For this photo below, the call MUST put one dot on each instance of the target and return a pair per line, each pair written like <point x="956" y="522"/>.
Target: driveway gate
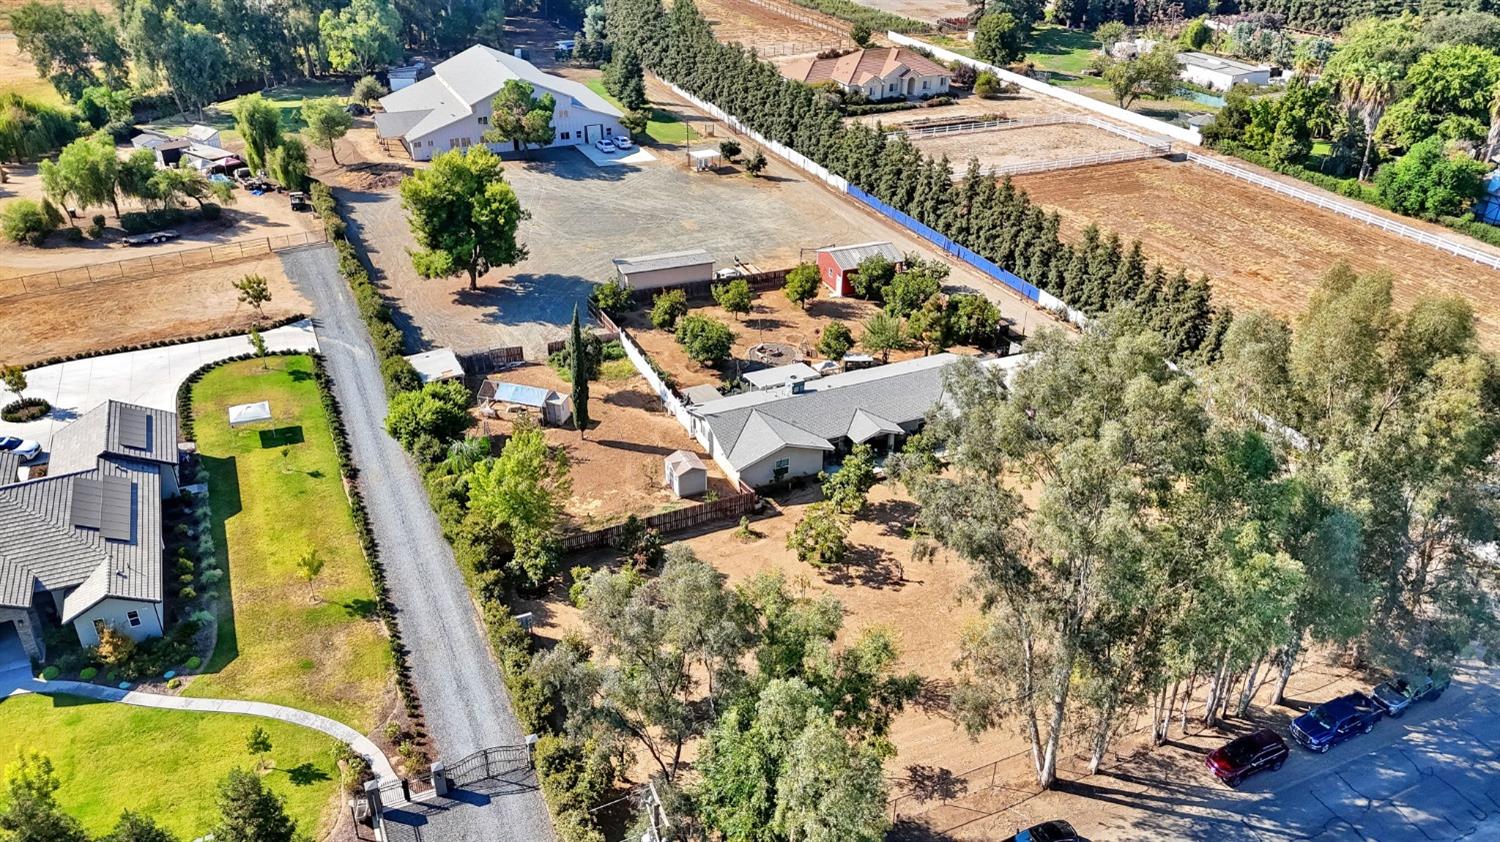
<point x="487" y="763"/>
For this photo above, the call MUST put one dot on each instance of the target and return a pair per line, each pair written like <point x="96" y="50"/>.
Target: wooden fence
<point x="495" y="359"/>
<point x="677" y="520"/>
<point x="604" y="336"/>
<point x="153" y="265"/>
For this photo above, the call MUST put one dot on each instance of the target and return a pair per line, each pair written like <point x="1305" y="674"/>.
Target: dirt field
<point x="1260" y="249"/>
<point x="617" y="467"/>
<point x="969" y="107"/>
<point x="925" y="10"/>
<point x="1024" y="145"/>
<point x="774" y="34"/>
<point x="774" y="319"/>
<point x="90" y="317"/>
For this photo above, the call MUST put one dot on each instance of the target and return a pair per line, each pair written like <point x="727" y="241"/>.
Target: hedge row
<point x="384" y="608"/>
<point x="390" y="346"/>
<point x="163" y="343"/>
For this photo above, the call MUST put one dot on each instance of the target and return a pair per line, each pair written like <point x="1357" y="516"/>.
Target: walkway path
<point x="464" y="701"/>
<point x="149" y="377"/>
<point x="379" y="763"/>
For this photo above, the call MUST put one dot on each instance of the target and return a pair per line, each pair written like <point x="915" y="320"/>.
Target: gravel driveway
<point x="466" y="705"/>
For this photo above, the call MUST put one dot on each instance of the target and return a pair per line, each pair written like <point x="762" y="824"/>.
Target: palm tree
<point x="1492" y="143"/>
<point x="1369" y="89"/>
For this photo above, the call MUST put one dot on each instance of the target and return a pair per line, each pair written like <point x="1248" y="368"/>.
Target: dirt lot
<point x="925" y="10"/>
<point x="969" y="107"/>
<point x="93" y="316"/>
<point x="771" y="33"/>
<point x="248" y="218"/>
<point x="774" y="319"/>
<point x="1259" y="248"/>
<point x="1019" y="146"/>
<point x="617" y="467"/>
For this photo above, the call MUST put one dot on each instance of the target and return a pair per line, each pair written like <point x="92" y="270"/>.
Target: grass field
<point x="166" y="764"/>
<point x="276" y="494"/>
<point x="288" y="98"/>
<point x="1061" y="50"/>
<point x="664" y="127"/>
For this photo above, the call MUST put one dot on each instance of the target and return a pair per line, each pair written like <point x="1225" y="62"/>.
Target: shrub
<point x="835" y="341"/>
<point x="72" y="235"/>
<point x="580" y="576"/>
<point x="23" y="221"/>
<point x="96" y="226"/>
<point x="25" y="409"/>
<point x="667" y="308"/>
<point x="399" y="375"/>
<point x="987" y="85"/>
<point x="193" y="663"/>
<point x="574" y="776"/>
<point x="51" y="673"/>
<point x="88" y="673"/>
<point x="819" y="538"/>
<point x="705" y="340"/>
<point x="612" y="297"/>
<point x="187" y="594"/>
<point x="802" y="284"/>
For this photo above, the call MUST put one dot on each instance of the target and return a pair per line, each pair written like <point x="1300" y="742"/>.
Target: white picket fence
<point x="1344" y="208"/>
<point x="1114" y="112"/>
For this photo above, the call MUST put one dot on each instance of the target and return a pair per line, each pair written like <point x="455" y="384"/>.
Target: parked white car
<point x="604" y="144"/>
<point x="25" y="448"/>
<point x="623" y="142"/>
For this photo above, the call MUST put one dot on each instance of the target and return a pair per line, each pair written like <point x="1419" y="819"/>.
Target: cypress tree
<point x="580" y="377"/>
<point x="248" y="812"/>
<point x="1129" y="276"/>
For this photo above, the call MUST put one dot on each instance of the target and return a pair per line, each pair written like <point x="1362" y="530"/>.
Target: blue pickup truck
<point x="1335" y="721"/>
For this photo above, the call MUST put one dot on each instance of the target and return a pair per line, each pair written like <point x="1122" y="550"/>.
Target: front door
<point x="593" y="133"/>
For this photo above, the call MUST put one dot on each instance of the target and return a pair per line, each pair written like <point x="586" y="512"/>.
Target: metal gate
<point x="488" y="763"/>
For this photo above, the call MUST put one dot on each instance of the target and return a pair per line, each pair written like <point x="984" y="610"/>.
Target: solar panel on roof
<point x="88" y="496"/>
<point x="133" y="428"/>
<point x="115" y="515"/>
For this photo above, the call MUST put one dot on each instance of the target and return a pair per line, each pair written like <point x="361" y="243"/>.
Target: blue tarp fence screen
<point x="949" y="246"/>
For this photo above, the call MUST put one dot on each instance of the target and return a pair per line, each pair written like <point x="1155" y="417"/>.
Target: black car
<point x="1394" y="695"/>
<point x="1056" y="830"/>
<point x="151" y="238"/>
<point x="1333" y="722"/>
<point x="1241" y="758"/>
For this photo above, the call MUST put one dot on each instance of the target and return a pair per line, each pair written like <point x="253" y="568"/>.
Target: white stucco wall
<point x="1223" y="80"/>
<point x="114" y="612"/>
<point x="803" y="462"/>
<point x="572" y="125"/>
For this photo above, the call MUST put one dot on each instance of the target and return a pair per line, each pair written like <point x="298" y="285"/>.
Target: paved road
<point x="1432" y="775"/>
<point x="466" y="705"/>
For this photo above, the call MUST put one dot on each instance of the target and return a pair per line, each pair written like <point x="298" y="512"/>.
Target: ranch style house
<point x="83" y="545"/>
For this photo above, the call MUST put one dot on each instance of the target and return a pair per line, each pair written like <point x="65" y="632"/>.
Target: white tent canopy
<point x="249" y="413"/>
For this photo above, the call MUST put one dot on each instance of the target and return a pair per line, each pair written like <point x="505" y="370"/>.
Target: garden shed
<point x="664" y="270"/>
<point x="499" y="396"/>
<point x="686" y="474"/>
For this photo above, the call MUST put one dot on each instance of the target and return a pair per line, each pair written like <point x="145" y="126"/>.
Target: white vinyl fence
<point x="1071" y="97"/>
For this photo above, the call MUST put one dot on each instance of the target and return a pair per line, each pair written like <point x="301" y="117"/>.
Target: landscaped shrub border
<point x="163" y="343"/>
<point x="384" y="608"/>
<point x="389" y="345"/>
<point x="25" y="409"/>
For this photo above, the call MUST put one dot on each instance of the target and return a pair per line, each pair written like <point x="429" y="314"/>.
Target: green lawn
<point x="164" y="763"/>
<point x="288" y="98"/>
<point x="664" y="127"/>
<point x="276" y="494"/>
<point x="1061" y="50"/>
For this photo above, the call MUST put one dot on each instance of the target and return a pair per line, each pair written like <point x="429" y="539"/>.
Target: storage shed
<point x="497" y="395"/>
<point x="686" y="474"/>
<point x="437" y="365"/>
<point x="1220" y="74"/>
<point x="669" y="269"/>
<point x="837" y="265"/>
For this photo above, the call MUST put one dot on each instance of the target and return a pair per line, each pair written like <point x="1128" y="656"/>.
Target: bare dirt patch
<point x="774" y="319"/>
<point x="96" y="316"/>
<point x="1260" y="249"/>
<point x="795" y="31"/>
<point x="1023" y="145"/>
<point x="617" y="466"/>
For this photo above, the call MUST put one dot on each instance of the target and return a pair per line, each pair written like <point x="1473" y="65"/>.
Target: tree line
<point x="994" y="219"/>
<point x="1319" y="486"/>
<point x="1332" y="16"/>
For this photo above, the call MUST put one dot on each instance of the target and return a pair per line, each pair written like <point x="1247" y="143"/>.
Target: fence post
<point x="439" y="779"/>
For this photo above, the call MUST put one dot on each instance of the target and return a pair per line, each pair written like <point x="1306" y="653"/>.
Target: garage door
<point x="593" y="133"/>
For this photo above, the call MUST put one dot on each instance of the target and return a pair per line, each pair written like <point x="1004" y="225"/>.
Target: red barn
<point x="838" y="265"/>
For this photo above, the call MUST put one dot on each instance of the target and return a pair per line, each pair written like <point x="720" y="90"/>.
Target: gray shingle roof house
<point x="83" y="545"/>
<point x="765" y="436"/>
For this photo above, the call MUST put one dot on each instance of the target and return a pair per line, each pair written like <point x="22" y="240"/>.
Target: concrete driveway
<point x="149" y="377"/>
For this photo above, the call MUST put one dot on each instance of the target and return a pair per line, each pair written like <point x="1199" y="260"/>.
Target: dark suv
<point x="1247" y="755"/>
<point x="1056" y="830"/>
<point x="1332" y="722"/>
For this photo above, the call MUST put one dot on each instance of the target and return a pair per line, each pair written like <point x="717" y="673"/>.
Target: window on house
<point x="783" y="464"/>
<point x="609" y="130"/>
<point x="924" y="84"/>
<point x="133" y="617"/>
<point x="99" y="627"/>
<point x="567" y="136"/>
<point x="485" y="121"/>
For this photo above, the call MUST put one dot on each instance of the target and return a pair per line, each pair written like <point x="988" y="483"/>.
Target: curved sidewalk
<point x="379" y="763"/>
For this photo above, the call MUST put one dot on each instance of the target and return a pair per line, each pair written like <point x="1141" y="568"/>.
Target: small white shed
<point x="437" y="365"/>
<point x="553" y="407"/>
<point x="685" y="474"/>
<point x="662" y="270"/>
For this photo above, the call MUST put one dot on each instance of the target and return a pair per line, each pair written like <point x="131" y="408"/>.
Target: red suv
<point x="1247" y="755"/>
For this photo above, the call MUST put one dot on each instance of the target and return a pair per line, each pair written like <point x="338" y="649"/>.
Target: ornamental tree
<point x="464" y="216"/>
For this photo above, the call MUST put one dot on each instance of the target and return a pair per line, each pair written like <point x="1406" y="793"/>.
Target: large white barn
<point x="451" y="108"/>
